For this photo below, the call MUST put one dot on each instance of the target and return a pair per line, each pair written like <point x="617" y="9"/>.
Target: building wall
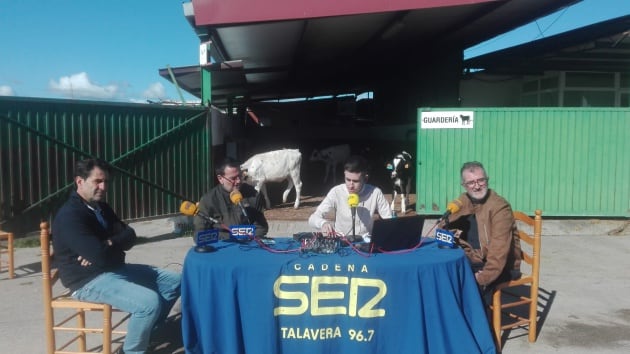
<point x="565" y="161"/>
<point x="490" y="91"/>
<point x="429" y="78"/>
<point x="550" y="89"/>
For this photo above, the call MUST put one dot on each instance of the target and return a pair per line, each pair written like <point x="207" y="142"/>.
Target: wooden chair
<point x="67" y="308"/>
<point x="530" y="245"/>
<point x="8" y="249"/>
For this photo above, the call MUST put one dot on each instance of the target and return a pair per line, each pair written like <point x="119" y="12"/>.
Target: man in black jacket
<point x="219" y="203"/>
<point x="90" y="241"/>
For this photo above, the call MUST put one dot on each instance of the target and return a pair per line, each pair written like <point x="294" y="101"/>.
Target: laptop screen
<point x="397" y="233"/>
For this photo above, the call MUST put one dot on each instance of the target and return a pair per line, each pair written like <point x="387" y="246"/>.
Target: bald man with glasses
<point x="218" y="204"/>
<point x="486" y="228"/>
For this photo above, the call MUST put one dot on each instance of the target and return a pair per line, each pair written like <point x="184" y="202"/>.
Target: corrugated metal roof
<point x="315" y="47"/>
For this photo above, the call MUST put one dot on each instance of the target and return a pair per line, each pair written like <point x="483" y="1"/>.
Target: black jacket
<point x="77" y="232"/>
<point x="217" y="204"/>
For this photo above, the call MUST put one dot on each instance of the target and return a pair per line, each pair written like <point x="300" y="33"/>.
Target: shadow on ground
<point x="168" y="340"/>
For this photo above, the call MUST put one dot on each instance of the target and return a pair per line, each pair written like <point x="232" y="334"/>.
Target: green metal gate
<point x="565" y="161"/>
<point x="161" y="155"/>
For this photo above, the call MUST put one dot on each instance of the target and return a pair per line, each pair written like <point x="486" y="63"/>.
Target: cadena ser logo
<point x="311" y="291"/>
<point x="445" y="238"/>
<point x="311" y="294"/>
<point x="242" y="232"/>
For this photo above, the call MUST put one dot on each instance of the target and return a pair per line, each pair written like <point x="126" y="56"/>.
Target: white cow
<point x="332" y="156"/>
<point x="274" y="166"/>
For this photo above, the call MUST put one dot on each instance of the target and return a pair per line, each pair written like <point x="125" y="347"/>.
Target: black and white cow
<point x="401" y="173"/>
<point x="275" y="166"/>
<point x="331" y="156"/>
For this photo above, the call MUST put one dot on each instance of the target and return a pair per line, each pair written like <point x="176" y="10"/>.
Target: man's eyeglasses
<point x="232" y="179"/>
<point x="481" y="182"/>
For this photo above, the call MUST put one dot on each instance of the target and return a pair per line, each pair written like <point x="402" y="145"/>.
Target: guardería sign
<point x="447" y="120"/>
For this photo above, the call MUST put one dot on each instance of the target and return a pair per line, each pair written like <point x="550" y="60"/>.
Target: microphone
<point x="353" y="202"/>
<point x="190" y="209"/>
<point x="236" y="197"/>
<point x="451" y="208"/>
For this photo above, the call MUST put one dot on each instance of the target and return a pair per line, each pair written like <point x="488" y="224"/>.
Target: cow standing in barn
<point x="401" y="173"/>
<point x="275" y="166"/>
<point x="331" y="156"/>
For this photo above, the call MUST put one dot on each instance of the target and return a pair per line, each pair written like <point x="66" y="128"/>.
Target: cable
<point x="542" y="34"/>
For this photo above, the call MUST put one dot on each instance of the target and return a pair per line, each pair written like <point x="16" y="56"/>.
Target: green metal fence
<point x="565" y="161"/>
<point x="161" y="154"/>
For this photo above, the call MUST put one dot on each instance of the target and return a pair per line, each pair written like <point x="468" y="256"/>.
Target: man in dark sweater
<point x="89" y="241"/>
<point x="218" y="204"/>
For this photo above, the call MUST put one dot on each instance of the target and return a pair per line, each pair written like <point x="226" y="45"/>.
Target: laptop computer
<point x="396" y="233"/>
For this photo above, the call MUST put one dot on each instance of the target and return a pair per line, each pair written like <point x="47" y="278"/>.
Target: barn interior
<point x="312" y="74"/>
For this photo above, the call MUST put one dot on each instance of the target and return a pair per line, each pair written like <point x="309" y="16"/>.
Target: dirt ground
<point x="308" y="204"/>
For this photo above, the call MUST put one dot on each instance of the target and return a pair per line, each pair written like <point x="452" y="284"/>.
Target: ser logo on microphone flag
<point x="445" y="238"/>
<point x="206" y="237"/>
<point x="242" y="232"/>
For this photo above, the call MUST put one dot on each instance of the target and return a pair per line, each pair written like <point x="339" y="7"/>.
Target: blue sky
<point x="104" y="50"/>
<point x="112" y="50"/>
<point x="579" y="15"/>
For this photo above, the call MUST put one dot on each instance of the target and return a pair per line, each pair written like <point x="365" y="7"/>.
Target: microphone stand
<point x="354" y="214"/>
<point x="353" y="202"/>
<point x="244" y="212"/>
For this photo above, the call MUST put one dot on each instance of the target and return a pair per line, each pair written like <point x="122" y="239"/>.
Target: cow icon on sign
<point x="465" y="119"/>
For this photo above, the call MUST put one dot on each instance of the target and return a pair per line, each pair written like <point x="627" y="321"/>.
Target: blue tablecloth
<point x="244" y="299"/>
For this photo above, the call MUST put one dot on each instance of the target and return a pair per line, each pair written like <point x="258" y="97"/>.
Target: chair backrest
<point x="531" y="254"/>
<point x="49" y="275"/>
<point x="8" y="250"/>
<point x="48" y="280"/>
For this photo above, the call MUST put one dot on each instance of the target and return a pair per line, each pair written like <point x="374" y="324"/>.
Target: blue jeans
<point x="146" y="292"/>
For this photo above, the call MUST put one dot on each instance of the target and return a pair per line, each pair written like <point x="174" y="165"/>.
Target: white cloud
<point x="6" y="91"/>
<point x="79" y="86"/>
<point x="156" y="91"/>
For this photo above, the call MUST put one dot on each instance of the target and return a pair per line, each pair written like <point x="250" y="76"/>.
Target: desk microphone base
<point x="205" y="249"/>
